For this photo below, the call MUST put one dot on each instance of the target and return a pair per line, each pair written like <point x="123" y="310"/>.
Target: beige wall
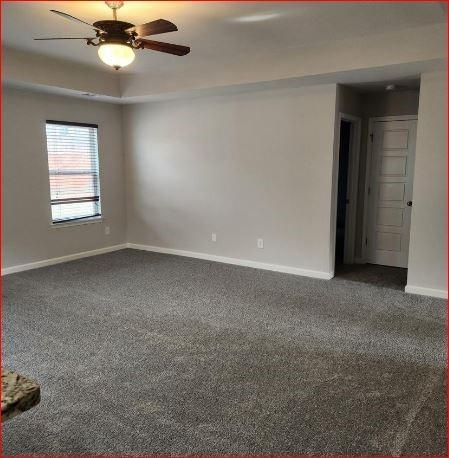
<point x="349" y="101"/>
<point x="390" y="103"/>
<point x="428" y="237"/>
<point x="27" y="235"/>
<point x="247" y="166"/>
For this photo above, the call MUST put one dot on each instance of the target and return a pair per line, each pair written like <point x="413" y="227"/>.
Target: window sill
<point x="94" y="220"/>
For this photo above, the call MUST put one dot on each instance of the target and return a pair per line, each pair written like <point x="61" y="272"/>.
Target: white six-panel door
<point x="390" y="192"/>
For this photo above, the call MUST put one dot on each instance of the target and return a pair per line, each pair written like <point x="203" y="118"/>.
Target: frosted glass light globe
<point x="116" y="55"/>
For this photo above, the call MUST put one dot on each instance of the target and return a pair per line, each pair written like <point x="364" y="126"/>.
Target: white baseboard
<point x="440" y="293"/>
<point x="70" y="257"/>
<point x="426" y="291"/>
<point x="236" y="261"/>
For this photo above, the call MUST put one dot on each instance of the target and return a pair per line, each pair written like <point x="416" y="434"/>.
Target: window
<point x="73" y="169"/>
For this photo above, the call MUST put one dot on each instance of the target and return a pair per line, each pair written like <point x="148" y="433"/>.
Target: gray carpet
<point x="141" y="353"/>
<point x="385" y="276"/>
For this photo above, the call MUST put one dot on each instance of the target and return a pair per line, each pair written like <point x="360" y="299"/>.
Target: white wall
<point x="27" y="235"/>
<point x="427" y="268"/>
<point x="246" y="166"/>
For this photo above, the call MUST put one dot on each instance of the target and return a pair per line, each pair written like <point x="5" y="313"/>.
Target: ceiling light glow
<point x="258" y="17"/>
<point x="116" y="55"/>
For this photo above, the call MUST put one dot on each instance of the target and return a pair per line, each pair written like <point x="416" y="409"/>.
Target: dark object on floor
<point x="144" y="353"/>
<point x="384" y="276"/>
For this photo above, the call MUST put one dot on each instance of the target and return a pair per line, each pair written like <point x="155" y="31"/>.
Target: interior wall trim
<point x="441" y="293"/>
<point x="235" y="261"/>
<point x="411" y="289"/>
<point x="59" y="260"/>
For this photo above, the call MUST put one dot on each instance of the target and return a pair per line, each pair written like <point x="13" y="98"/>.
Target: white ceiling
<point x="216" y="31"/>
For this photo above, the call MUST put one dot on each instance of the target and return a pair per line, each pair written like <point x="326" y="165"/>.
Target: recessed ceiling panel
<point x="216" y="31"/>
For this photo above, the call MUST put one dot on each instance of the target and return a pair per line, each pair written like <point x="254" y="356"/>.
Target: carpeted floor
<point x="142" y="353"/>
<point x="384" y="276"/>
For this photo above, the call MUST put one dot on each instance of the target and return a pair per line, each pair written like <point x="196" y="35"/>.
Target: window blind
<point x="73" y="170"/>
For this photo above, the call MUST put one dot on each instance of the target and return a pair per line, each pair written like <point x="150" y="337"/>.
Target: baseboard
<point x="426" y="291"/>
<point x="235" y="261"/>
<point x="440" y="293"/>
<point x="70" y="257"/>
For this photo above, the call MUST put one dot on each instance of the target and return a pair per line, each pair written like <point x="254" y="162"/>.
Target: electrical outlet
<point x="107" y="230"/>
<point x="214" y="237"/>
<point x="259" y="243"/>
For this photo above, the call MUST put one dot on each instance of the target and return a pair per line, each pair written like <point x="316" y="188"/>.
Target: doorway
<point x="342" y="193"/>
<point x="371" y="227"/>
<point x="387" y="202"/>
<point x="347" y="187"/>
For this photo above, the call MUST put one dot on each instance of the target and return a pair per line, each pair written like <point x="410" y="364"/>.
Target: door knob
<point x="409" y="203"/>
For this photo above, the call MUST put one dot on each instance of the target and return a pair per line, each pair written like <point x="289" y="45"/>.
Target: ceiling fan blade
<point x="75" y="19"/>
<point x="153" y="28"/>
<point x="168" y="48"/>
<point x="65" y="38"/>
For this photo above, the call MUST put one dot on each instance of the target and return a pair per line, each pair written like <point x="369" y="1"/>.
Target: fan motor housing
<point x="115" y="31"/>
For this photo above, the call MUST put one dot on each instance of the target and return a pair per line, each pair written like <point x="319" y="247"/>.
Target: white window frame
<point x="75" y="221"/>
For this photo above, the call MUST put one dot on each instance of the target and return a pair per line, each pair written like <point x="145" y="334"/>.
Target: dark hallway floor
<point x="146" y="353"/>
<point x="384" y="276"/>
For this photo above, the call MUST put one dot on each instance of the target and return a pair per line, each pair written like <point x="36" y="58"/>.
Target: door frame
<point x="369" y="152"/>
<point x="352" y="185"/>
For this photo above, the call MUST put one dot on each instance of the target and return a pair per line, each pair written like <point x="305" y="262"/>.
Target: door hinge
<point x="369" y="190"/>
<point x="372" y="137"/>
<point x="366" y="240"/>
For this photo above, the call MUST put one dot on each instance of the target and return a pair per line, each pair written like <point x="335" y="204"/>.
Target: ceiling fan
<point x="117" y="40"/>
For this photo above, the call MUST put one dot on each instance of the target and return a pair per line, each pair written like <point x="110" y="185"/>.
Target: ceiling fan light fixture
<point x="116" y="55"/>
<point x="116" y="40"/>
